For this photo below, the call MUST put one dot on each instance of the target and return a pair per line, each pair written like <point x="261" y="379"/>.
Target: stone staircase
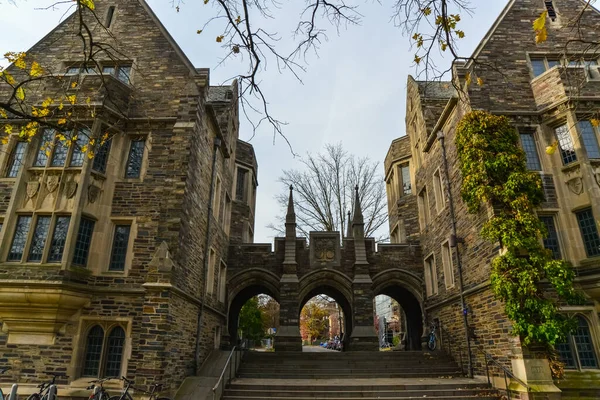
<point x="353" y="375"/>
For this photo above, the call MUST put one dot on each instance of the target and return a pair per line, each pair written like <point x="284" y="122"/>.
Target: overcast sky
<point x="353" y="91"/>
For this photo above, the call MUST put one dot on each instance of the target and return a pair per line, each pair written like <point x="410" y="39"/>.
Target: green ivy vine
<point x="494" y="172"/>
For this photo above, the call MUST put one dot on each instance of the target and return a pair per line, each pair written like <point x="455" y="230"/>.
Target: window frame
<point x="10" y="164"/>
<point x="573" y="348"/>
<point x="116" y="225"/>
<point x="132" y="140"/>
<point x="222" y="295"/>
<point x="585" y="143"/>
<point x="210" y="275"/>
<point x="76" y="241"/>
<point x="431" y="282"/>
<point x="536" y="151"/>
<point x="559" y="242"/>
<point x="582" y="235"/>
<point x="55" y="143"/>
<point x="448" y="265"/>
<point x="423" y="207"/>
<point x="216" y="200"/>
<point x="566" y="159"/>
<point x="438" y="191"/>
<point x="108" y="327"/>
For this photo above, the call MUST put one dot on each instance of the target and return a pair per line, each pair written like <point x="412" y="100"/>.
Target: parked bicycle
<point x="2" y="371"/>
<point x="98" y="391"/>
<point x="44" y="388"/>
<point x="432" y="342"/>
<point x="153" y="393"/>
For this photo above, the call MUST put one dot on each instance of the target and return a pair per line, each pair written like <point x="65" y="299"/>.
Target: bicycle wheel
<point x="114" y="398"/>
<point x="34" y="396"/>
<point x="105" y="396"/>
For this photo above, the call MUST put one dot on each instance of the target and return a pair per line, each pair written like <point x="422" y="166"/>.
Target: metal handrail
<point x="490" y="359"/>
<point x="227" y="364"/>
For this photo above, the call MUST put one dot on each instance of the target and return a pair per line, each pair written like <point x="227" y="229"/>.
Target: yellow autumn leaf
<point x="90" y="155"/>
<point x="539" y="26"/>
<point x="552" y="148"/>
<point x="468" y="78"/>
<point x="36" y="70"/>
<point x="220" y="38"/>
<point x="20" y="63"/>
<point x="72" y="98"/>
<point x="426" y="11"/>
<point x="62" y="121"/>
<point x="8" y="129"/>
<point x="88" y="101"/>
<point x="61" y="106"/>
<point x="47" y="102"/>
<point x="595" y="122"/>
<point x="3" y="113"/>
<point x="417" y="59"/>
<point x="460" y="34"/>
<point x="5" y="140"/>
<point x="73" y="85"/>
<point x="88" y="3"/>
<point x="238" y="20"/>
<point x="199" y="31"/>
<point x="20" y="93"/>
<point x="61" y="137"/>
<point x="84" y="148"/>
<point x="479" y="82"/>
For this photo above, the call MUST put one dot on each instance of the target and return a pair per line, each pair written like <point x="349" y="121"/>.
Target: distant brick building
<point x="550" y="91"/>
<point x="102" y="260"/>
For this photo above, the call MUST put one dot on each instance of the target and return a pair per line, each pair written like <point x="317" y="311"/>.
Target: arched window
<point x="93" y="351"/>
<point x="104" y="351"/>
<point x="578" y="351"/>
<point x="114" y="351"/>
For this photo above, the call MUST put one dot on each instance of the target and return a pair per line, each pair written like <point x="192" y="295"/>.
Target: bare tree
<point x="324" y="192"/>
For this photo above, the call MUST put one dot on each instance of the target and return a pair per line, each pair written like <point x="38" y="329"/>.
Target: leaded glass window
<point x="406" y="186"/>
<point x="240" y="185"/>
<point x="20" y="238"/>
<point x="101" y="156"/>
<point x="40" y="235"/>
<point x="584" y="345"/>
<point x="93" y="351"/>
<point x="538" y="66"/>
<point x="119" y="248"/>
<point x="44" y="148"/>
<point x="16" y="159"/>
<point x="59" y="156"/>
<point x="551" y="241"/>
<point x="589" y="139"/>
<point x="114" y="351"/>
<point x="59" y="237"/>
<point x="565" y="143"/>
<point x="82" y="245"/>
<point x="566" y="355"/>
<point x="578" y="350"/>
<point x="124" y="73"/>
<point x="83" y="138"/>
<point x="531" y="153"/>
<point x="134" y="161"/>
<point x="589" y="232"/>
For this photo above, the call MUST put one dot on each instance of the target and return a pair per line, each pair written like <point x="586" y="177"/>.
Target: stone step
<point x="384" y="374"/>
<point x="433" y="397"/>
<point x="347" y="370"/>
<point x="345" y="393"/>
<point x="366" y="385"/>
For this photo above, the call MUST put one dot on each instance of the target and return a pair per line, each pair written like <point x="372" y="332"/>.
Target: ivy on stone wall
<point x="494" y="173"/>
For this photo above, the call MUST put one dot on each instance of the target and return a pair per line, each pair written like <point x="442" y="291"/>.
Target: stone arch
<point x="406" y="288"/>
<point x="243" y="286"/>
<point x="334" y="284"/>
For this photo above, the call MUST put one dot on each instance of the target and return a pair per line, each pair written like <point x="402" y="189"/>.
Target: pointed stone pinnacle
<point x="291" y="215"/>
<point x="357" y="218"/>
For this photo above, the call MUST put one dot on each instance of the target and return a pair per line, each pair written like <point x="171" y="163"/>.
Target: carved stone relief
<point x="52" y="182"/>
<point x="575" y="185"/>
<point x="70" y="189"/>
<point x="93" y="193"/>
<point x="324" y="249"/>
<point x="32" y="188"/>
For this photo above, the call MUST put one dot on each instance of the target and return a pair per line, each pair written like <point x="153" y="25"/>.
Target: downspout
<point x="217" y="144"/>
<point x="454" y="243"/>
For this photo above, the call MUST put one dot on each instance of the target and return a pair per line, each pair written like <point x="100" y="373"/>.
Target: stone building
<point x="550" y="92"/>
<point x="102" y="260"/>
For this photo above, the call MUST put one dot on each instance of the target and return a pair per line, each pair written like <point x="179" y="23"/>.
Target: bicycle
<point x="44" y="388"/>
<point x="98" y="392"/>
<point x="432" y="342"/>
<point x="129" y="384"/>
<point x="2" y="371"/>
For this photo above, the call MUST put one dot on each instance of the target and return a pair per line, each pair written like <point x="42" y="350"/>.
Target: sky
<point x="353" y="91"/>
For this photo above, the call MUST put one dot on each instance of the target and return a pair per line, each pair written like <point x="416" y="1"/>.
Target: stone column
<point x="288" y="337"/>
<point x="531" y="366"/>
<point x="363" y="335"/>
